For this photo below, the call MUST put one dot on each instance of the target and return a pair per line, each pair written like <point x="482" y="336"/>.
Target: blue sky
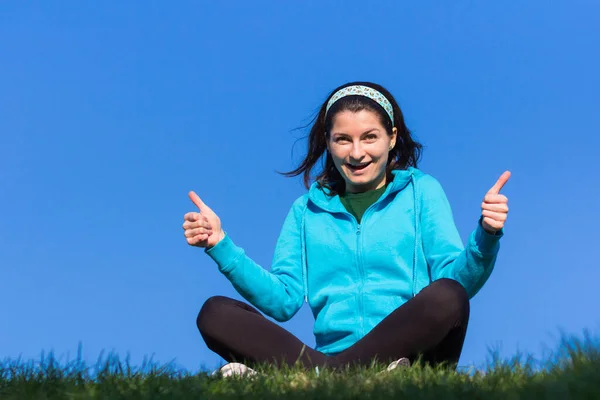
<point x="111" y="112"/>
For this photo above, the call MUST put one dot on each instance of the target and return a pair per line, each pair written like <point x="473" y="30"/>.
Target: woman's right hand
<point x="202" y="229"/>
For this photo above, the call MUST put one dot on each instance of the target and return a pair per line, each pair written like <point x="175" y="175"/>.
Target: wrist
<point x="487" y="228"/>
<point x="220" y="236"/>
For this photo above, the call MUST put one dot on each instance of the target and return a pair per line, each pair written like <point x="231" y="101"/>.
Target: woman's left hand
<point x="494" y="207"/>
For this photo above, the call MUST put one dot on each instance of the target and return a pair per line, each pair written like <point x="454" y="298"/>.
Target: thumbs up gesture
<point x="494" y="207"/>
<point x="203" y="228"/>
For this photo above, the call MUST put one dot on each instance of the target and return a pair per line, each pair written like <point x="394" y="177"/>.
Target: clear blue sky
<point x="111" y="112"/>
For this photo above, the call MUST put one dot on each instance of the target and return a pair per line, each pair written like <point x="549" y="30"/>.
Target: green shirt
<point x="357" y="203"/>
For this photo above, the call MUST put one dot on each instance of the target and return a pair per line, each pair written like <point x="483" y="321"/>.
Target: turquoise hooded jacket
<point x="354" y="275"/>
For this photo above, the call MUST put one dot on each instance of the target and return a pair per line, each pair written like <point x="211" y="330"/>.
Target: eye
<point x="341" y="139"/>
<point x="371" y="136"/>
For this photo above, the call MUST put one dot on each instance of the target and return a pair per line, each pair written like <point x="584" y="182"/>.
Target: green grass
<point x="573" y="372"/>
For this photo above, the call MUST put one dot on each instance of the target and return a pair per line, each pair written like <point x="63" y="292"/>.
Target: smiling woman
<point x="372" y="248"/>
<point x="359" y="124"/>
<point x="359" y="147"/>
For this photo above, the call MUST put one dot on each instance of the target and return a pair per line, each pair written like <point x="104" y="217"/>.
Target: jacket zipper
<point x="362" y="279"/>
<point x="361" y="269"/>
<point x="359" y="262"/>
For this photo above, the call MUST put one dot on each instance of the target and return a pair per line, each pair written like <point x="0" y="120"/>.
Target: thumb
<point x="196" y="200"/>
<point x="500" y="183"/>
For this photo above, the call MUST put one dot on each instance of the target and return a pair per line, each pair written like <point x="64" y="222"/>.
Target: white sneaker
<point x="231" y="369"/>
<point x="401" y="362"/>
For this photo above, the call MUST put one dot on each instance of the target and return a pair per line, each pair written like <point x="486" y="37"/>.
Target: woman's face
<point x="359" y="147"/>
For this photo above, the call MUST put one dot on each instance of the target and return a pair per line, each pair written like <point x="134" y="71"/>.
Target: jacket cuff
<point x="486" y="243"/>
<point x="225" y="253"/>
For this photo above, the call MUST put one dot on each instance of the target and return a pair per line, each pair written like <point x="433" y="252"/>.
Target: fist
<point x="203" y="228"/>
<point x="494" y="207"/>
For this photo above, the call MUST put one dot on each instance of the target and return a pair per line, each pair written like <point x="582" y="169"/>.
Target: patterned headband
<point x="358" y="90"/>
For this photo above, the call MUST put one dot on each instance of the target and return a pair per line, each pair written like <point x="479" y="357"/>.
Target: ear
<point x="393" y="137"/>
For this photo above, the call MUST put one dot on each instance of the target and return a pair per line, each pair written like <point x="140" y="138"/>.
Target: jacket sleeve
<point x="446" y="256"/>
<point x="279" y="292"/>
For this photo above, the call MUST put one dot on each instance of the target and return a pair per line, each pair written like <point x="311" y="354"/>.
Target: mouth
<point x="358" y="167"/>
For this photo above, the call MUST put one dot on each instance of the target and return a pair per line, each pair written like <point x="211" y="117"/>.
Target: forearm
<point x="276" y="294"/>
<point x="474" y="264"/>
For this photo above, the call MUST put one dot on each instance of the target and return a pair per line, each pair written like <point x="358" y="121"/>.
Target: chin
<point x="361" y="181"/>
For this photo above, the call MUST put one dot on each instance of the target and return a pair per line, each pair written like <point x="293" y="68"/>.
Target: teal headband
<point x="358" y="90"/>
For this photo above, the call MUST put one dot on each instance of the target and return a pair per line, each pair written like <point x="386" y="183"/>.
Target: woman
<point x="372" y="248"/>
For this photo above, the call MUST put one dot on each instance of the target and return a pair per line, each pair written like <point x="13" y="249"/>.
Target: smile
<point x="358" y="167"/>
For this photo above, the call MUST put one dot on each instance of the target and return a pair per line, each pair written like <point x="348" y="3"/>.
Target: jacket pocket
<point x="337" y="321"/>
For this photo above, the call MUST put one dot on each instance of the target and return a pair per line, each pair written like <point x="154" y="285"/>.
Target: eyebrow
<point x="362" y="134"/>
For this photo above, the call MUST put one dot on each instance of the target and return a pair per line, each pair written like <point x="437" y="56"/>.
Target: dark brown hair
<point x="405" y="153"/>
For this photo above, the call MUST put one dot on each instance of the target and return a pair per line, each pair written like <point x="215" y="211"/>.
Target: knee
<point x="451" y="295"/>
<point x="211" y="308"/>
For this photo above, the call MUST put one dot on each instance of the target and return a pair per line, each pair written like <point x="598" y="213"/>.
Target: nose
<point x="357" y="152"/>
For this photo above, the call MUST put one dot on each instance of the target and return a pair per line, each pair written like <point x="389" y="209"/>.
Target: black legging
<point x="432" y="325"/>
